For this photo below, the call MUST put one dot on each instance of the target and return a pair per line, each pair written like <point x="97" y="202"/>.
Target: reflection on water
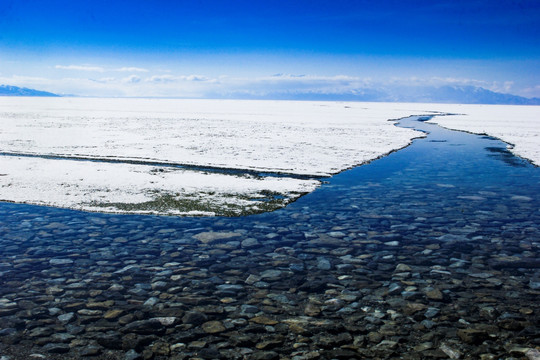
<point x="430" y="251"/>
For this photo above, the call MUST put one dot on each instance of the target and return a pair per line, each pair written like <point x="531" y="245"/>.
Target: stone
<point x="250" y="243"/>
<point x="249" y="309"/>
<point x="88" y="312"/>
<point x="521" y="198"/>
<point x="297" y="267"/>
<point x="339" y="353"/>
<point x="210" y="237"/>
<point x="269" y="344"/>
<point x="113" y="314"/>
<point x="263" y="320"/>
<point x="412" y="308"/>
<point x="325" y="241"/>
<point x="161" y="348"/>
<point x="451" y="352"/>
<point x="264" y="355"/>
<point x="65" y="318"/>
<point x="323" y="264"/>
<point x="394" y="289"/>
<point x="91" y="350"/>
<point x="167" y="320"/>
<point x="213" y="327"/>
<point x="534" y="284"/>
<point x="481" y="275"/>
<point x="54" y="311"/>
<point x="519" y="350"/>
<point x="62" y="337"/>
<point x="116" y="287"/>
<point x="386" y="345"/>
<point x="271" y="274"/>
<point x="532" y="354"/>
<point x="402" y="268"/>
<point x="60" y="262"/>
<point x="110" y="340"/>
<point x="144" y="327"/>
<point x="312" y="309"/>
<point x="434" y="294"/>
<point x="54" y="290"/>
<point x="103" y="305"/>
<point x="132" y="355"/>
<point x="151" y="301"/>
<point x="375" y="337"/>
<point x="423" y="346"/>
<point x="428" y="324"/>
<point x="56" y="348"/>
<point x="159" y="285"/>
<point x="432" y="312"/>
<point x="209" y="354"/>
<point x="230" y="288"/>
<point x="41" y="332"/>
<point x="128" y="269"/>
<point x="199" y="344"/>
<point x="194" y="318"/>
<point x="252" y="279"/>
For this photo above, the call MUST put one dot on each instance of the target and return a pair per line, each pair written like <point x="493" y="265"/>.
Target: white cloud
<point x="194" y="78"/>
<point x="81" y="68"/>
<point x="104" y="80"/>
<point x="280" y="85"/>
<point x="162" y="79"/>
<point x="292" y="84"/>
<point x="533" y="91"/>
<point x="132" y="79"/>
<point x="496" y="86"/>
<point x="131" y="69"/>
<point x="100" y="68"/>
<point x="166" y="78"/>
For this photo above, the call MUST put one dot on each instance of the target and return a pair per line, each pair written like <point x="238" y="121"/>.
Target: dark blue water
<point x="458" y="209"/>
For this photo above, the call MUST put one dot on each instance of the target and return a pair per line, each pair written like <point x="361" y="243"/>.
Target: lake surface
<point x="429" y="252"/>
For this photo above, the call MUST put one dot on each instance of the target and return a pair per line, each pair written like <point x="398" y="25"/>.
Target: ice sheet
<point x="302" y="138"/>
<point x="315" y="138"/>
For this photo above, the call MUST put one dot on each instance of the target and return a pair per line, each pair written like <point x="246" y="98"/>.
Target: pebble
<point x="323" y="264"/>
<point x="213" y="327"/>
<point x="60" y="261"/>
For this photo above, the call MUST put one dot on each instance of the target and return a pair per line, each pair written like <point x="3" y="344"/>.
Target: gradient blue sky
<point x="205" y="48"/>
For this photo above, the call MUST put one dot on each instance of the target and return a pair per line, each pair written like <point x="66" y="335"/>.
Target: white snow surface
<point x="313" y="138"/>
<point x="519" y="126"/>
<point x="295" y="138"/>
<point x="84" y="185"/>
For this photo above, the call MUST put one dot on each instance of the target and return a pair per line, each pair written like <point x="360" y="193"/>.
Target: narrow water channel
<point x="429" y="252"/>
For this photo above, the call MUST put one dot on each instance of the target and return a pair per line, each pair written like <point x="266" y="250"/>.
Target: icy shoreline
<point x="518" y="126"/>
<point x="125" y="139"/>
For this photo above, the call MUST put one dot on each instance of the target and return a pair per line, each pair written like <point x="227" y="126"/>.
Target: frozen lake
<point x="429" y="252"/>
<point x="210" y="157"/>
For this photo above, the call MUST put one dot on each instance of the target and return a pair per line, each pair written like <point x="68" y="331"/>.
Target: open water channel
<point x="430" y="252"/>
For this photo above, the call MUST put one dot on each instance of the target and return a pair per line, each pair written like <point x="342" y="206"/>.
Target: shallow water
<point x="450" y="223"/>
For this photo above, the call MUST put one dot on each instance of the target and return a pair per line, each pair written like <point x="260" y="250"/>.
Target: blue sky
<point x="222" y="48"/>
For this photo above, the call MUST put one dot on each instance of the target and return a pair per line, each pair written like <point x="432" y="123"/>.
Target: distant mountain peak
<point x="9" y="90"/>
<point x="467" y="94"/>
